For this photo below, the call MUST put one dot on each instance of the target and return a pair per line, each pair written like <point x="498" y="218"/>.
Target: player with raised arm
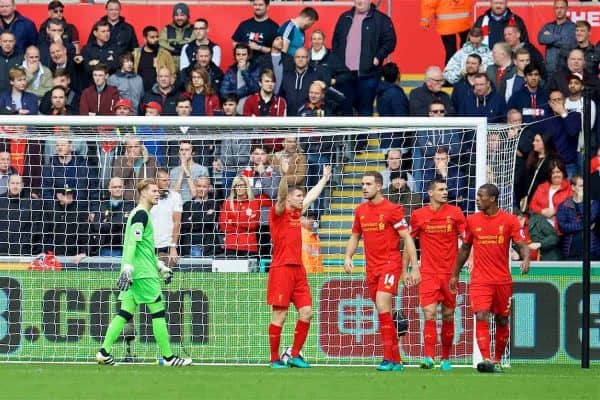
<point x="287" y="276"/>
<point x="438" y="226"/>
<point x="381" y="224"/>
<point x="139" y="282"/>
<point x="489" y="233"/>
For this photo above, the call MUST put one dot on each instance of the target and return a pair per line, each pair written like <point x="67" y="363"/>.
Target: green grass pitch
<point x="68" y="381"/>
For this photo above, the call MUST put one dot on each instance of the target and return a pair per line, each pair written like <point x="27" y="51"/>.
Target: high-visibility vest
<point x="451" y="16"/>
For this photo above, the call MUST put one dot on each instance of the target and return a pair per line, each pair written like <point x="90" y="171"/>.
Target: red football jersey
<point x="378" y="224"/>
<point x="438" y="233"/>
<point x="286" y="236"/>
<point x="490" y="237"/>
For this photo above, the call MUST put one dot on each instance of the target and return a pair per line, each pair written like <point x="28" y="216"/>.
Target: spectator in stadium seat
<point x="532" y="99"/>
<point x="21" y="26"/>
<point x="544" y="239"/>
<point x="557" y="35"/>
<point x="322" y="59"/>
<point x="241" y="77"/>
<point x="569" y="216"/>
<point x="399" y="193"/>
<point x="551" y="193"/>
<point x="136" y="164"/>
<point x="536" y="166"/>
<point x="110" y="219"/>
<point x="57" y="102"/>
<point x="494" y="19"/>
<point x="155" y="147"/>
<point x="456" y="67"/>
<point x="203" y="60"/>
<point x="296" y="173"/>
<point x="292" y="31"/>
<point x="103" y="152"/>
<point x="264" y="182"/>
<point x="178" y="32"/>
<point x="17" y="101"/>
<point x="188" y="51"/>
<point x="394" y="162"/>
<point x="21" y="224"/>
<point x="525" y="145"/>
<point x="277" y="61"/>
<point x="485" y="102"/>
<point x="70" y="33"/>
<point x="150" y="58"/>
<point x="122" y="34"/>
<point x="61" y="60"/>
<point x="521" y="59"/>
<point x="512" y="37"/>
<point x="163" y="92"/>
<point x="575" y="103"/>
<point x="204" y="99"/>
<point x="166" y="220"/>
<point x="363" y="37"/>
<point x="66" y="223"/>
<point x="69" y="169"/>
<point x="449" y="172"/>
<point x="200" y="235"/>
<point x="591" y="53"/>
<point x="233" y="154"/>
<point x="575" y="65"/>
<point x="100" y="97"/>
<point x="257" y="32"/>
<point x="185" y="174"/>
<point x="463" y="88"/>
<point x="239" y="219"/>
<point x="391" y="99"/>
<point x="6" y="170"/>
<point x="26" y="155"/>
<point x="428" y="141"/>
<point x="295" y="84"/>
<point x="129" y="84"/>
<point x="503" y="68"/>
<point x="54" y="33"/>
<point x="79" y="147"/>
<point x="421" y="97"/>
<point x="9" y="58"/>
<point x="39" y="77"/>
<point x="100" y="50"/>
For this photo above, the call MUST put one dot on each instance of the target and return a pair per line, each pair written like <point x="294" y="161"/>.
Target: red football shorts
<point x="383" y="281"/>
<point x="435" y="289"/>
<point x="492" y="298"/>
<point x="288" y="284"/>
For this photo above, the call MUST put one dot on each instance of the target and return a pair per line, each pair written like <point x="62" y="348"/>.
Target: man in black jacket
<point x="122" y="34"/>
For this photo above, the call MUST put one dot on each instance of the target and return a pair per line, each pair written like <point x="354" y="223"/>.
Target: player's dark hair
<point x="375" y="174"/>
<point x="434" y="182"/>
<point x="491" y="190"/>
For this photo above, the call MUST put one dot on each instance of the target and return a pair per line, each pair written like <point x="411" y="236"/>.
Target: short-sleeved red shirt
<point x="490" y="237"/>
<point x="438" y="232"/>
<point x="286" y="236"/>
<point x="378" y="224"/>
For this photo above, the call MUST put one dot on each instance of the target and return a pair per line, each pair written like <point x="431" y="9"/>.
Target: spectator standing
<point x="295" y="85"/>
<point x="99" y="98"/>
<point x="575" y="103"/>
<point x="178" y="33"/>
<point x="257" y="32"/>
<point x="150" y="58"/>
<point x="292" y="31"/>
<point x="9" y="58"/>
<point x="184" y="175"/>
<point x="99" y="50"/>
<point x="576" y="64"/>
<point x="463" y="88"/>
<point x="277" y="61"/>
<point x="485" y="102"/>
<point x="122" y="34"/>
<point x="133" y="166"/>
<point x="166" y="220"/>
<point x="512" y="37"/>
<point x="129" y="84"/>
<point x="521" y="59"/>
<point x="188" y="51"/>
<point x="503" y="67"/>
<point x="558" y="35"/>
<point x="493" y="21"/>
<point x="591" y="53"/>
<point x="456" y="67"/>
<point x="22" y="27"/>
<point x="532" y="99"/>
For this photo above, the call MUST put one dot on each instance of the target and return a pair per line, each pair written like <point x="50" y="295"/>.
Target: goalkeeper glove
<point x="124" y="281"/>
<point x="165" y="272"/>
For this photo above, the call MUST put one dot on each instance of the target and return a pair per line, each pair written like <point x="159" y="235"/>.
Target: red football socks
<point x="502" y="335"/>
<point x="429" y="338"/>
<point x="300" y="335"/>
<point x="447" y="338"/>
<point x="389" y="336"/>
<point x="483" y="338"/>
<point x="274" y="340"/>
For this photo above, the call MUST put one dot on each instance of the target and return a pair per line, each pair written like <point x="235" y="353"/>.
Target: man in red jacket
<point x="99" y="98"/>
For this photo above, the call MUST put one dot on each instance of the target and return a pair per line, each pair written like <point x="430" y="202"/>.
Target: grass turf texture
<point x="65" y="381"/>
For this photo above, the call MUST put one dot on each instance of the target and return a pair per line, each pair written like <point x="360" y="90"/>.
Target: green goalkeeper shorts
<point x="142" y="291"/>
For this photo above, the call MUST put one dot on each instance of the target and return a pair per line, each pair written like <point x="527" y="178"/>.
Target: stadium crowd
<point x="71" y="197"/>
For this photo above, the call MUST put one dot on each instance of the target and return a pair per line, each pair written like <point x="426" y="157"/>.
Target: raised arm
<point x="313" y="194"/>
<point x="283" y="187"/>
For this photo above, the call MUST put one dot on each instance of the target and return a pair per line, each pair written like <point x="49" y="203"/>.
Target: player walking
<point x="287" y="276"/>
<point x="139" y="281"/>
<point x="438" y="226"/>
<point x="381" y="224"/>
<point x="489" y="233"/>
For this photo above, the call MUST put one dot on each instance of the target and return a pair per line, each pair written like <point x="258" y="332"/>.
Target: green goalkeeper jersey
<point x="138" y="248"/>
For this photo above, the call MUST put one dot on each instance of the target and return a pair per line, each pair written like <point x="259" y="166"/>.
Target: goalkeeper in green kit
<point x="139" y="281"/>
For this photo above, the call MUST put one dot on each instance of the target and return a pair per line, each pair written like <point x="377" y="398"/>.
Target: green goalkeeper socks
<point x="112" y="333"/>
<point x="161" y="334"/>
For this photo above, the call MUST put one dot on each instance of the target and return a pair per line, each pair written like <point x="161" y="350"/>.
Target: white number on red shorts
<point x="388" y="279"/>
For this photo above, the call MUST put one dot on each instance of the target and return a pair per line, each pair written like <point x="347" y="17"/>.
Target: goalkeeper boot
<point x="427" y="363"/>
<point x="445" y="365"/>
<point x="104" y="358"/>
<point x="398" y="367"/>
<point x="298" y="362"/>
<point x="278" y="364"/>
<point x="175" y="361"/>
<point x="386" y="365"/>
<point x="485" y="366"/>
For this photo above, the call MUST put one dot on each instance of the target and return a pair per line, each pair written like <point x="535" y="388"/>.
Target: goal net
<point x="62" y="219"/>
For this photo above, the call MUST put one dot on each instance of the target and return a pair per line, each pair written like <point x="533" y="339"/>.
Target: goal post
<point x="58" y="309"/>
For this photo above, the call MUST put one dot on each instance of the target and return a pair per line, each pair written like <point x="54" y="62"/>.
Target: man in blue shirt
<point x="293" y="30"/>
